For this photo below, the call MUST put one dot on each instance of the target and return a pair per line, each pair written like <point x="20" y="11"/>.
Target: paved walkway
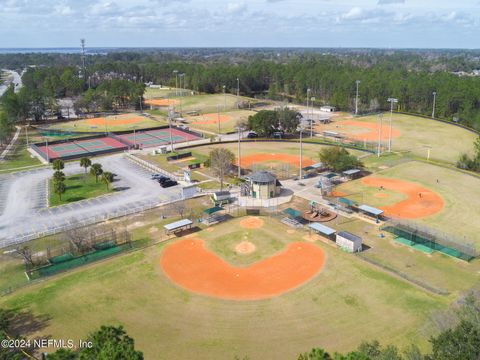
<point x="11" y="145"/>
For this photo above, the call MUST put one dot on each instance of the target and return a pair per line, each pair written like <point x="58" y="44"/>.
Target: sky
<point x="241" y="23"/>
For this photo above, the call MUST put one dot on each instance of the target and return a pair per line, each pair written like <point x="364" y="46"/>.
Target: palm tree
<point x="107" y="178"/>
<point x="85" y="163"/>
<point x="58" y="176"/>
<point x="59" y="188"/>
<point x="96" y="169"/>
<point x="58" y="164"/>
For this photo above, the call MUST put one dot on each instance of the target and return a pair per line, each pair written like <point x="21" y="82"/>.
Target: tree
<point x="338" y="159"/>
<point x="58" y="164"/>
<point x="26" y="253"/>
<point x="264" y="123"/>
<point x="315" y="354"/>
<point x="96" y="170"/>
<point x="85" y="163"/>
<point x="107" y="178"/>
<point x="58" y="176"/>
<point x="59" y="188"/>
<point x="220" y="161"/>
<point x="461" y="342"/>
<point x="110" y="343"/>
<point x="78" y="238"/>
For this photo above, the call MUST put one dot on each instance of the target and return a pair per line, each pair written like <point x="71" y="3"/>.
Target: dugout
<point x="352" y="174"/>
<point x="178" y="226"/>
<point x="371" y="212"/>
<point x="323" y="230"/>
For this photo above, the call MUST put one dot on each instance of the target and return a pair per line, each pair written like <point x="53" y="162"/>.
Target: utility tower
<point x="84" y="70"/>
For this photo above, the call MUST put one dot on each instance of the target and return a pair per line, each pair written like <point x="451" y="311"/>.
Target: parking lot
<point x="24" y="214"/>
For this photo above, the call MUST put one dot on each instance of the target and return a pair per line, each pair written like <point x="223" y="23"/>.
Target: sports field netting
<point x="425" y="245"/>
<point x="72" y="263"/>
<point x="151" y="138"/>
<point x="78" y="148"/>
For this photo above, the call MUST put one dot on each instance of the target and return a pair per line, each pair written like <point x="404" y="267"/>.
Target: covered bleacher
<point x="178" y="226"/>
<point x="371" y="212"/>
<point x="292" y="217"/>
<point x="212" y="215"/>
<point x="323" y="230"/>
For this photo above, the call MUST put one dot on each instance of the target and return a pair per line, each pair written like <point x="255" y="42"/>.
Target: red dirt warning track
<point x="249" y="160"/>
<point x="420" y="201"/>
<point x="190" y="265"/>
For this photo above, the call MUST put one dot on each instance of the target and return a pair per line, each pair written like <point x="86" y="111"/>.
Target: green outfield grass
<point x="446" y="141"/>
<point x="163" y="92"/>
<point x="79" y="187"/>
<point x="20" y="158"/>
<point x="460" y="192"/>
<point x="120" y="122"/>
<point x="347" y="297"/>
<point x="205" y="103"/>
<point x="210" y="124"/>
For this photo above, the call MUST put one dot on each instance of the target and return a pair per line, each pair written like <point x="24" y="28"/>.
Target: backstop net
<point x="414" y="234"/>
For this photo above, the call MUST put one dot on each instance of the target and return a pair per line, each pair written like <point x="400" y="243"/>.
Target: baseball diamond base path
<point x="420" y="201"/>
<point x="161" y="102"/>
<point x="249" y="160"/>
<point x="208" y="119"/>
<point x="367" y="131"/>
<point x="190" y="265"/>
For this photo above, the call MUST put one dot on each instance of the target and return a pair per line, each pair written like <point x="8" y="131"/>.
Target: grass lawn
<point x="348" y="297"/>
<point x="460" y="192"/>
<point x="20" y="157"/>
<point x="120" y="122"/>
<point x="228" y="121"/>
<point x="79" y="187"/>
<point x="446" y="141"/>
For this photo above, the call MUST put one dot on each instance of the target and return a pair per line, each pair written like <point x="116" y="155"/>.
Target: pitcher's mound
<point x="251" y="223"/>
<point x="245" y="247"/>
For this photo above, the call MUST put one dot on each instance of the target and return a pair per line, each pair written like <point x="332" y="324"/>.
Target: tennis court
<point x="158" y="137"/>
<point x="78" y="148"/>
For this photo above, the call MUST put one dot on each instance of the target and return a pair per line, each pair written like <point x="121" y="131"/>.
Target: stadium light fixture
<point x="391" y="101"/>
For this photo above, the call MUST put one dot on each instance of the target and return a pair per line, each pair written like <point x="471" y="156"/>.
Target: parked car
<point x="169" y="183"/>
<point x="252" y="135"/>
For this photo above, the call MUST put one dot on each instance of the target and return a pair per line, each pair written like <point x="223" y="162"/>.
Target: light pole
<point x="141" y="105"/>
<point x="380" y="118"/>
<point x="434" y="98"/>
<point x="300" y="170"/>
<point x="391" y="101"/>
<point x="238" y="87"/>
<point x="308" y="98"/>
<point x="134" y="138"/>
<point x="26" y="133"/>
<point x="176" y="82"/>
<point x="170" y="127"/>
<point x="356" y="98"/>
<point x="46" y="147"/>
<point x="218" y="119"/>
<point x="181" y="91"/>
<point x="240" y="130"/>
<point x="224" y="99"/>
<point x="311" y="117"/>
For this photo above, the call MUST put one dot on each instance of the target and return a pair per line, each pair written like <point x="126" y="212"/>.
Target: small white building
<point x="264" y="185"/>
<point x="327" y="108"/>
<point x="348" y="242"/>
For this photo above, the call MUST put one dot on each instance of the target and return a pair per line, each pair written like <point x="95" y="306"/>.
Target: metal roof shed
<point x="178" y="226"/>
<point x="370" y="210"/>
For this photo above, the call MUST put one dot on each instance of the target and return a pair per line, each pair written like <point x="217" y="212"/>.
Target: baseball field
<point x="203" y="103"/>
<point x="146" y="291"/>
<point x="110" y="123"/>
<point x="409" y="134"/>
<point x="439" y="197"/>
<point x="220" y="123"/>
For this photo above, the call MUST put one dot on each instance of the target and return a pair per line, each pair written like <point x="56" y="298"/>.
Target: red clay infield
<point x="249" y="160"/>
<point x="161" y="102"/>
<point x="370" y="132"/>
<point x="113" y="122"/>
<point x="420" y="201"/>
<point x="208" y="119"/>
<point x="190" y="265"/>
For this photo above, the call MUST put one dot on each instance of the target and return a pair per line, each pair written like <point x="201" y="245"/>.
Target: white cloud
<point x="236" y="7"/>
